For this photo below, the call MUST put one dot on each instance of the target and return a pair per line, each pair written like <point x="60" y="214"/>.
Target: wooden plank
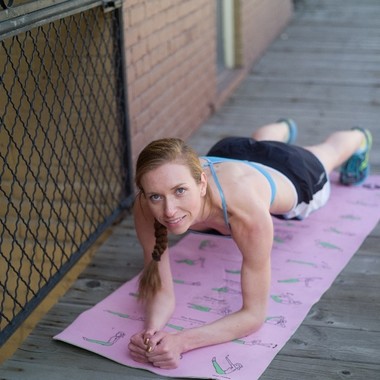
<point x="324" y="343"/>
<point x="286" y="367"/>
<point x="345" y="314"/>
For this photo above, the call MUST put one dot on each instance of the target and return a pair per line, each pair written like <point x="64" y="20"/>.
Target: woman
<point x="179" y="191"/>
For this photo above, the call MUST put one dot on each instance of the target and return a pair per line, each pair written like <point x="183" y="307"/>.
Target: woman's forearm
<point x="233" y="326"/>
<point x="159" y="310"/>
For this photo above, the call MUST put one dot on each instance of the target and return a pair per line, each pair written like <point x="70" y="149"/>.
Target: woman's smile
<point x="176" y="225"/>
<point x="174" y="221"/>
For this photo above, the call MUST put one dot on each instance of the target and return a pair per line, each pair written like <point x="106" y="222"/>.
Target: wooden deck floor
<point x="324" y="71"/>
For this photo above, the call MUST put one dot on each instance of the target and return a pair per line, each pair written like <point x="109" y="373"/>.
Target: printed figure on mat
<point x="234" y="190"/>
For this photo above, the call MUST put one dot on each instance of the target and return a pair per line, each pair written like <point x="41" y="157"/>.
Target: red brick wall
<point x="171" y="60"/>
<point x="171" y="69"/>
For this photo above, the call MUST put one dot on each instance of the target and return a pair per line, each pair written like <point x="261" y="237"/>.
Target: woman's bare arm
<point x="160" y="308"/>
<point x="252" y="230"/>
<point x="254" y="239"/>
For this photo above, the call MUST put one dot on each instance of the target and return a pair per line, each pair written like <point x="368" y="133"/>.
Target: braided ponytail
<point x="154" y="155"/>
<point x="150" y="281"/>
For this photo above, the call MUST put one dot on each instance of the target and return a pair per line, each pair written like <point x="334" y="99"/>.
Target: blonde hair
<point x="154" y="155"/>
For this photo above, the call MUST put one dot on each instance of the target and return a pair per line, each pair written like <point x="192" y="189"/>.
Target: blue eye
<point x="180" y="191"/>
<point x="155" y="197"/>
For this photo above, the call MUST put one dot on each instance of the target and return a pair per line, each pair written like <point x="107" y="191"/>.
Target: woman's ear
<point x="203" y="184"/>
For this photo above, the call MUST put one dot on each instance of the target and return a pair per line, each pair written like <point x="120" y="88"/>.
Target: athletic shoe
<point x="293" y="130"/>
<point x="356" y="169"/>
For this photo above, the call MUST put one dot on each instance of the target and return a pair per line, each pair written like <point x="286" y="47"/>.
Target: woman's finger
<point x="164" y="361"/>
<point x="147" y="337"/>
<point x="137" y="353"/>
<point x="137" y="349"/>
<point x="154" y="340"/>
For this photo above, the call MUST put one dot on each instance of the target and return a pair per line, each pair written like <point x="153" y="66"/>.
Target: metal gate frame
<point x="19" y="19"/>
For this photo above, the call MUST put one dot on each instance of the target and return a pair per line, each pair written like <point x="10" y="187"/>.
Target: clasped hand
<point x="160" y="348"/>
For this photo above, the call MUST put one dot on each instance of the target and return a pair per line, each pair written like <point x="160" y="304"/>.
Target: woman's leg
<point x="348" y="148"/>
<point x="284" y="130"/>
<point x="338" y="148"/>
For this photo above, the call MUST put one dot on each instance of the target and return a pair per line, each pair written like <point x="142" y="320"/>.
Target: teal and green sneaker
<point x="356" y="169"/>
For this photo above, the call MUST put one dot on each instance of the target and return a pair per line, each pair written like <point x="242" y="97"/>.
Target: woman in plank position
<point x="234" y="190"/>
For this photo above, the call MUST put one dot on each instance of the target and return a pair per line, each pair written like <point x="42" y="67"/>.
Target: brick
<point x="136" y="14"/>
<point x="153" y="41"/>
<point x="138" y="51"/>
<point x="132" y="35"/>
<point x="152" y="8"/>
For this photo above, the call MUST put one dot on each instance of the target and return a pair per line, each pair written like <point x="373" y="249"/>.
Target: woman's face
<point x="173" y="196"/>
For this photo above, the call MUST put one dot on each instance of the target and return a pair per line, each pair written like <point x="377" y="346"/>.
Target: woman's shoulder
<point x="243" y="186"/>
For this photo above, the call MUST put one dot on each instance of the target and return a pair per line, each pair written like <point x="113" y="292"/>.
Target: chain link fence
<point x="64" y="154"/>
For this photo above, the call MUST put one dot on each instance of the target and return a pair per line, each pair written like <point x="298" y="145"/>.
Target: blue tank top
<point x="210" y="161"/>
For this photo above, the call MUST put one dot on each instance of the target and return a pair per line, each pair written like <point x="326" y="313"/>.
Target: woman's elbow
<point x="252" y="323"/>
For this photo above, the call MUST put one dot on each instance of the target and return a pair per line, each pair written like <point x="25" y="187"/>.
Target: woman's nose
<point x="169" y="208"/>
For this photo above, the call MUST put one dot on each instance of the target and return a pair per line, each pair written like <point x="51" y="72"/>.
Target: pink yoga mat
<point x="307" y="257"/>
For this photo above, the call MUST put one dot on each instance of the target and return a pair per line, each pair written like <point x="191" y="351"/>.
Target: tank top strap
<point x="268" y="177"/>
<point x="210" y="164"/>
<point x="255" y="165"/>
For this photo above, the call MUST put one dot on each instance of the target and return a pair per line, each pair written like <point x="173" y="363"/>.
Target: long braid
<point x="161" y="235"/>
<point x="150" y="281"/>
<point x="155" y="154"/>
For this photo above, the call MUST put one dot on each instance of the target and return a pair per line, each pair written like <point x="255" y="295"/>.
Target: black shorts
<point x="302" y="168"/>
